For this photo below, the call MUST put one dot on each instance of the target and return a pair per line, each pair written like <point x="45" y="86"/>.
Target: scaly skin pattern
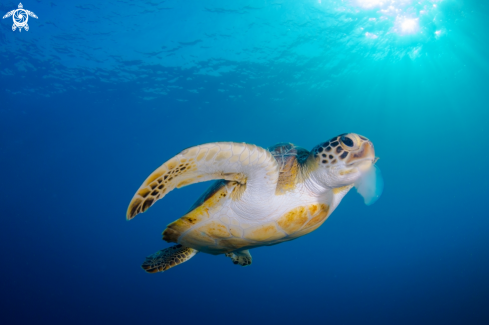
<point x="243" y="163"/>
<point x="262" y="202"/>
<point x="167" y="258"/>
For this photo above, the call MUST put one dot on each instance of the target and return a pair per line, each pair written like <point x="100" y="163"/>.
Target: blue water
<point x="97" y="94"/>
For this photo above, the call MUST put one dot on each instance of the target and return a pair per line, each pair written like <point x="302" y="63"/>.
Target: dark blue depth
<point x="95" y="96"/>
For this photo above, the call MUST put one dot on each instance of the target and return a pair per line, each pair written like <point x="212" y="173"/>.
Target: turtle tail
<point x="167" y="258"/>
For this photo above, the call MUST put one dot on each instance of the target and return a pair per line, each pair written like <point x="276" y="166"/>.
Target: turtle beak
<point x="365" y="152"/>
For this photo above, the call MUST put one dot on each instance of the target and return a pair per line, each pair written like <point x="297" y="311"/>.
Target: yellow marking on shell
<point x="313" y="209"/>
<point x="245" y="224"/>
<point x="201" y="213"/>
<point x="319" y="214"/>
<point x="287" y="179"/>
<point x="266" y="232"/>
<point x="313" y="216"/>
<point x="186" y="222"/>
<point x="170" y="235"/>
<point x="293" y="220"/>
<point x="215" y="229"/>
<point x="196" y="238"/>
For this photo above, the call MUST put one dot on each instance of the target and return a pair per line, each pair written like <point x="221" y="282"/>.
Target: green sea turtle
<point x="262" y="197"/>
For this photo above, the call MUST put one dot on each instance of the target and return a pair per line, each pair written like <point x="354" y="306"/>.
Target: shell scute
<point x="265" y="232"/>
<point x="215" y="229"/>
<point x="293" y="220"/>
<point x="289" y="159"/>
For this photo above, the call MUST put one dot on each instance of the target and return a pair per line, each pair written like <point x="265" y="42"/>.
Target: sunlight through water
<point x="328" y="39"/>
<point x="404" y="16"/>
<point x="408" y="25"/>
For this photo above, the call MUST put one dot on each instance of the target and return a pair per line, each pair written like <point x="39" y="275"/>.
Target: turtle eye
<point x="347" y="141"/>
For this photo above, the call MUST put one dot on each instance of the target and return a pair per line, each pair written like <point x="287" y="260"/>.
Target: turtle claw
<point x="242" y="258"/>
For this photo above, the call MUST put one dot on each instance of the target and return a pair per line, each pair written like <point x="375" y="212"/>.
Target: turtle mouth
<point x="359" y="161"/>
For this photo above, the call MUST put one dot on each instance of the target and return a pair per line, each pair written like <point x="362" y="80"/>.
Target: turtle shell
<point x="200" y="230"/>
<point x="289" y="157"/>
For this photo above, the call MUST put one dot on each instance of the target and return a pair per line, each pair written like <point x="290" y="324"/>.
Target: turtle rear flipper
<point x="167" y="258"/>
<point x="242" y="258"/>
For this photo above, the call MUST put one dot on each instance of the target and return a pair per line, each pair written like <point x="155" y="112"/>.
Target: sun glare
<point x="404" y="14"/>
<point x="409" y="26"/>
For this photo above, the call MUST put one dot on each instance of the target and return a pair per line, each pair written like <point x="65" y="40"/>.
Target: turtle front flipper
<point x="167" y="258"/>
<point x="242" y="258"/>
<point x="8" y="14"/>
<point x="249" y="165"/>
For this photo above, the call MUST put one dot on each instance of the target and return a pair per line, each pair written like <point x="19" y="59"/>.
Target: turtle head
<point x="348" y="159"/>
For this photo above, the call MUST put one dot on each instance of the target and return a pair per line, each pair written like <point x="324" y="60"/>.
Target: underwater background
<point x="98" y="94"/>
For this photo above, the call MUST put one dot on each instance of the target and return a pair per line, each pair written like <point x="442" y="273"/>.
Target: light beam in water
<point x="409" y="25"/>
<point x="404" y="14"/>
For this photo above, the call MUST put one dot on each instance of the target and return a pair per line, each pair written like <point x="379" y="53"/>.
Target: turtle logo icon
<point x="20" y="17"/>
